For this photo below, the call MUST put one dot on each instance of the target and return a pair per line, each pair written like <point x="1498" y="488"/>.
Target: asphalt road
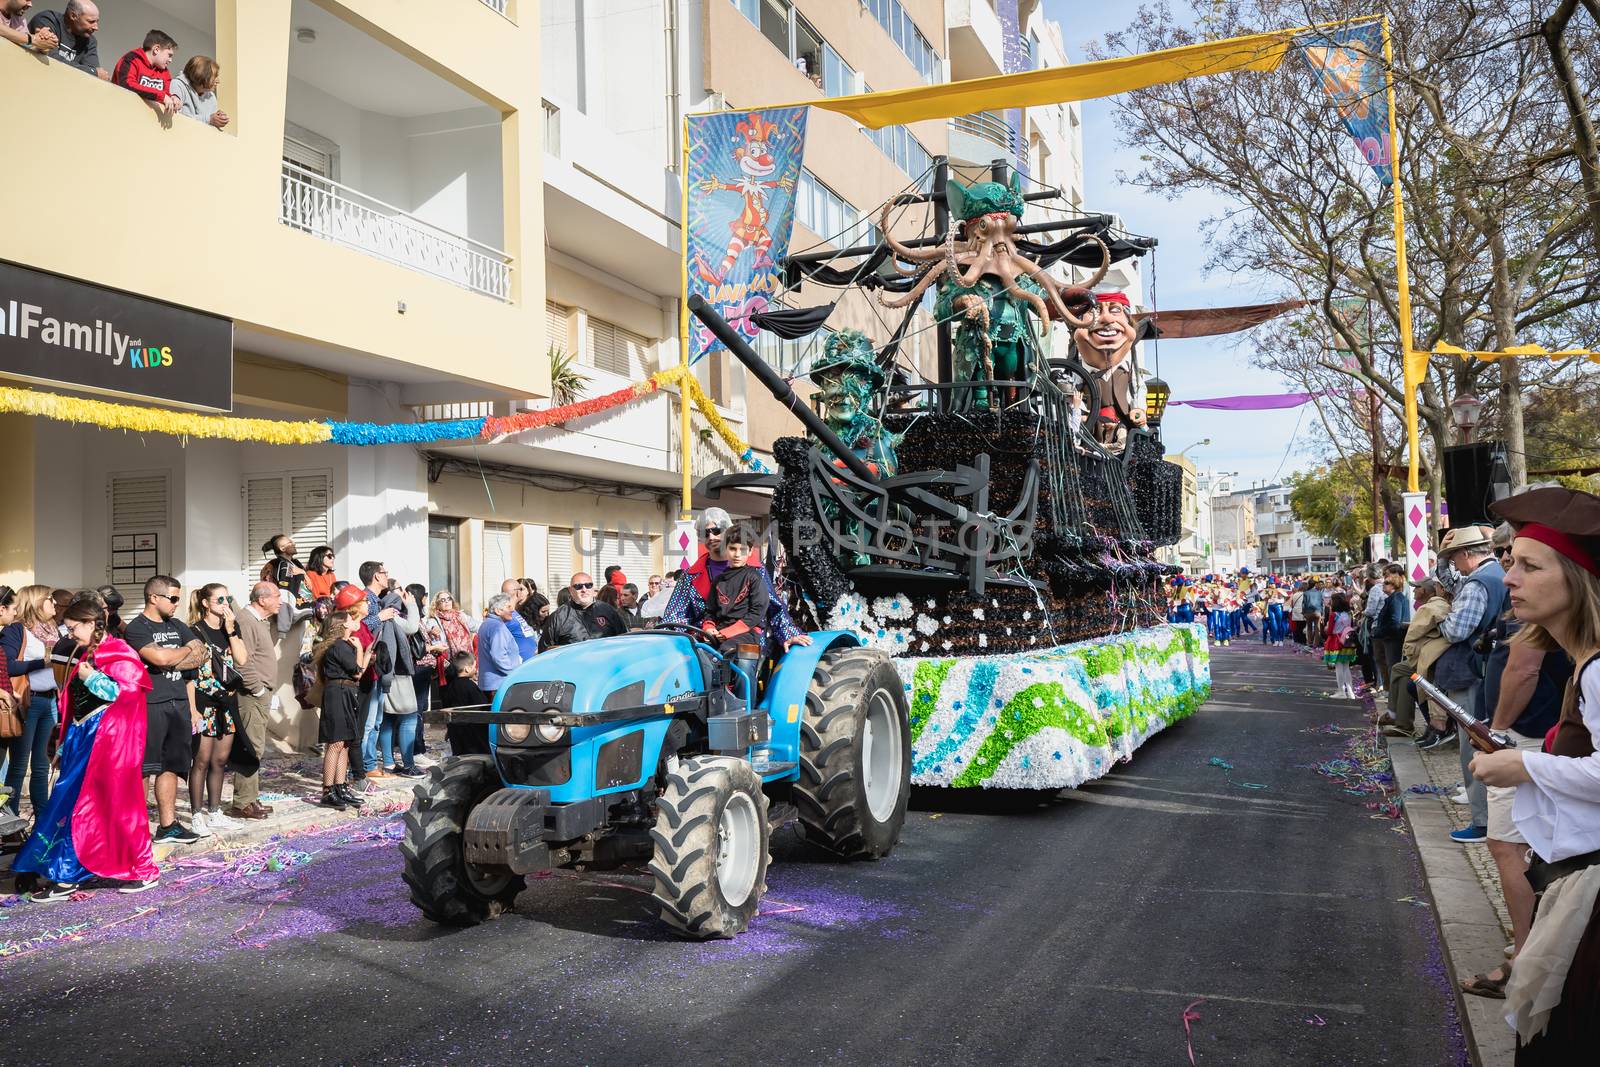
<point x="1073" y="930"/>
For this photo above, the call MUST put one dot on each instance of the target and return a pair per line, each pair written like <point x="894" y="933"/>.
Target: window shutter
<point x="495" y="565"/>
<point x="313" y="159"/>
<point x="308" y="511"/>
<point x="263" y="518"/>
<point x="139" y="529"/>
<point x="616" y="350"/>
<point x="559" y="557"/>
<point x="555" y="325"/>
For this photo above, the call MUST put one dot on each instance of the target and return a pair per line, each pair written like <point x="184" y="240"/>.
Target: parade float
<point x="995" y="531"/>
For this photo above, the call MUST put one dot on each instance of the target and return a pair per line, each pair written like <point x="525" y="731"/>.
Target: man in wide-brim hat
<point x="1479" y="600"/>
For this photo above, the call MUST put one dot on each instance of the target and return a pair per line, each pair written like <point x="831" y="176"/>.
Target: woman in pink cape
<point x="96" y="823"/>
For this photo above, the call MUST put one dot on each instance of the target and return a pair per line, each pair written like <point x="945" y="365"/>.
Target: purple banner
<point x="1261" y="402"/>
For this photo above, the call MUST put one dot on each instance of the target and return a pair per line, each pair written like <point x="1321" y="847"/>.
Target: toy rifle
<point x="1483" y="739"/>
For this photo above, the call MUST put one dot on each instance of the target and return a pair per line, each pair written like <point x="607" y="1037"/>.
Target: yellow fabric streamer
<point x="1531" y="350"/>
<point x="110" y="416"/>
<point x="686" y="382"/>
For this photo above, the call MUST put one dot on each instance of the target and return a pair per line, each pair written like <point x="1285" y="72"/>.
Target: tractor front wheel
<point x="711" y="855"/>
<point x="855" y="755"/>
<point x="444" y="885"/>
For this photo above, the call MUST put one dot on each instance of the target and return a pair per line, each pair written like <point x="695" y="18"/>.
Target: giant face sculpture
<point x="1105" y="345"/>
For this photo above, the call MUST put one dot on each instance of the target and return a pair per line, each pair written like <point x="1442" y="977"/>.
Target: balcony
<point x="977" y="43"/>
<point x="499" y="7"/>
<point x="980" y="138"/>
<point x="334" y="212"/>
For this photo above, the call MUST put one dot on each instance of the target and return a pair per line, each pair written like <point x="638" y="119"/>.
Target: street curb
<point x="1473" y="939"/>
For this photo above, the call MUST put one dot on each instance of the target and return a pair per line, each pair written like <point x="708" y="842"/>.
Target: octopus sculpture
<point x="984" y="279"/>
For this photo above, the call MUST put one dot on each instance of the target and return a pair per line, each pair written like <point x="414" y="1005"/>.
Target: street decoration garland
<point x="108" y="415"/>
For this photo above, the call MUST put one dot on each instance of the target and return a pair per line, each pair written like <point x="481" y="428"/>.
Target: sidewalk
<point x="1465" y="888"/>
<point x="291" y="785"/>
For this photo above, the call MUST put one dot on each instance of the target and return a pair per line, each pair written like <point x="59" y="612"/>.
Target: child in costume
<point x="1339" y="649"/>
<point x="95" y="824"/>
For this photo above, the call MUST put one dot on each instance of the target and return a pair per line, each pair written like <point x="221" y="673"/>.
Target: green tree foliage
<point x="1334" y="501"/>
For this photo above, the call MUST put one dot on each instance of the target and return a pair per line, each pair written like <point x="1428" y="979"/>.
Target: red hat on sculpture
<point x="1112" y="296"/>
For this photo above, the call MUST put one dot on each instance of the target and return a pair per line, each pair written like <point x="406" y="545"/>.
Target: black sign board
<point x="66" y="332"/>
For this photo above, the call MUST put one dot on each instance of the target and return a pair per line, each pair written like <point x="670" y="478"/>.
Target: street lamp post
<point x="1465" y="411"/>
<point x="1198" y="444"/>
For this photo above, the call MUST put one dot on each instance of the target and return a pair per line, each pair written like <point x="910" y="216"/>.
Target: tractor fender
<point x="785" y="697"/>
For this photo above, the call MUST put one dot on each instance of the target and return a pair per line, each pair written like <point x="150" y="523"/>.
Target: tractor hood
<point x="605" y="675"/>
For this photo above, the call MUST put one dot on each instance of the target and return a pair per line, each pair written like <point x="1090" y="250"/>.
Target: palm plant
<point x="567" y="382"/>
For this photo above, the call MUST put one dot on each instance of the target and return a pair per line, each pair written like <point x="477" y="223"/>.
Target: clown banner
<point x="1352" y="76"/>
<point x="743" y="169"/>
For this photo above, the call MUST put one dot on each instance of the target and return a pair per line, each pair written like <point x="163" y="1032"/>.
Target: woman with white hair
<point x="689" y="596"/>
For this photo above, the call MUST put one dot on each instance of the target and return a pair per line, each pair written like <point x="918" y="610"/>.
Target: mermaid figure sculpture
<point x="991" y="286"/>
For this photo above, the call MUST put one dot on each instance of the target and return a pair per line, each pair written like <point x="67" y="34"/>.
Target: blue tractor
<point x="653" y="748"/>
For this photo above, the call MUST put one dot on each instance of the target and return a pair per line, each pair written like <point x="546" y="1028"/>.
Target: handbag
<point x="11" y="718"/>
<point x="401" y="699"/>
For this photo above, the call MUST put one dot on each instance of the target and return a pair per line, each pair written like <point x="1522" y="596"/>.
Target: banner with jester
<point x="1351" y="64"/>
<point x="743" y="169"/>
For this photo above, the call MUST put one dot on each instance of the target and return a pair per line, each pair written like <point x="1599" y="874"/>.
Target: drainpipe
<point x="674" y="94"/>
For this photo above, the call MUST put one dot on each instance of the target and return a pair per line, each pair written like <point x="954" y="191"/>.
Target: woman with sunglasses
<point x="319" y="572"/>
<point x="689" y="596"/>
<point x="95" y="823"/>
<point x="216" y="697"/>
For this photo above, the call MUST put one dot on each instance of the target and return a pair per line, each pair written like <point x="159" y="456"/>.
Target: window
<point x="616" y="350"/>
<point x="634" y="553"/>
<point x="906" y="151"/>
<point x="558" y="561"/>
<point x="792" y="357"/>
<point x="295" y="503"/>
<point x="902" y="29"/>
<point x="444" y="556"/>
<point x="311" y="151"/>
<point x="139" y="533"/>
<point x="555" y="325"/>
<point x="838" y="77"/>
<point x="494" y="562"/>
<point x="830" y="215"/>
<point x="774" y="24"/>
<point x="808" y="51"/>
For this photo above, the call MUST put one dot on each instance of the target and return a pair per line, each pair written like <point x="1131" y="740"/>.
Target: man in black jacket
<point x="582" y="617"/>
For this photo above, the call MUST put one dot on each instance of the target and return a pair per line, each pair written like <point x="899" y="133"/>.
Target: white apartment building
<point x="1287" y="547"/>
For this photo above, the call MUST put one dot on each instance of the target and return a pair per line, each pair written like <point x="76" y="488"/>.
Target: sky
<point x="1260" y="446"/>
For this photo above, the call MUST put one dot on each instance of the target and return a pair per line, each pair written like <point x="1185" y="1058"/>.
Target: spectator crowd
<point x="131" y="713"/>
<point x="72" y="36"/>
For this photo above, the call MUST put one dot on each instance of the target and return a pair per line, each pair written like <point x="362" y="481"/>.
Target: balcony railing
<point x="987" y="126"/>
<point x="324" y="208"/>
<point x="552" y="128"/>
<point x="497" y="6"/>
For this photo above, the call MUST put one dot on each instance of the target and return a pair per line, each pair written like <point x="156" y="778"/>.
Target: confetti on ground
<point x="1435" y="790"/>
<point x="1218" y="761"/>
<point x="1317" y="1020"/>
<point x="1363" y="768"/>
<point x="1191" y="1016"/>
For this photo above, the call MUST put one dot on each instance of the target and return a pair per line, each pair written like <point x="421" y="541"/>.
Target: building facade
<point x="1287" y="547"/>
<point x="364" y="236"/>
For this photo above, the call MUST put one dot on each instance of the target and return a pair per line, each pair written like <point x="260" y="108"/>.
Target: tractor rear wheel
<point x="711" y="840"/>
<point x="855" y="755"/>
<point x="447" y="888"/>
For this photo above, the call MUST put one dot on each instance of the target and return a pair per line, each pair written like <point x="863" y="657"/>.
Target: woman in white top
<point x="27" y="643"/>
<point x="1553" y="996"/>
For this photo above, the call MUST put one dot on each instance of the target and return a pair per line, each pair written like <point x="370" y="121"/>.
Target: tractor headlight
<point x="516" y="732"/>
<point x="550" y="733"/>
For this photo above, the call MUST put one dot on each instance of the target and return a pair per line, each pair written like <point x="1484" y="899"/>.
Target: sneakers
<point x="1471" y="835"/>
<point x="199" y="826"/>
<point x="218" y="820"/>
<point x="138" y="885"/>
<point x="1437" y="739"/>
<point x="177" y="833"/>
<point x="409" y="772"/>
<point x="1460" y="797"/>
<point x="56" y="893"/>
